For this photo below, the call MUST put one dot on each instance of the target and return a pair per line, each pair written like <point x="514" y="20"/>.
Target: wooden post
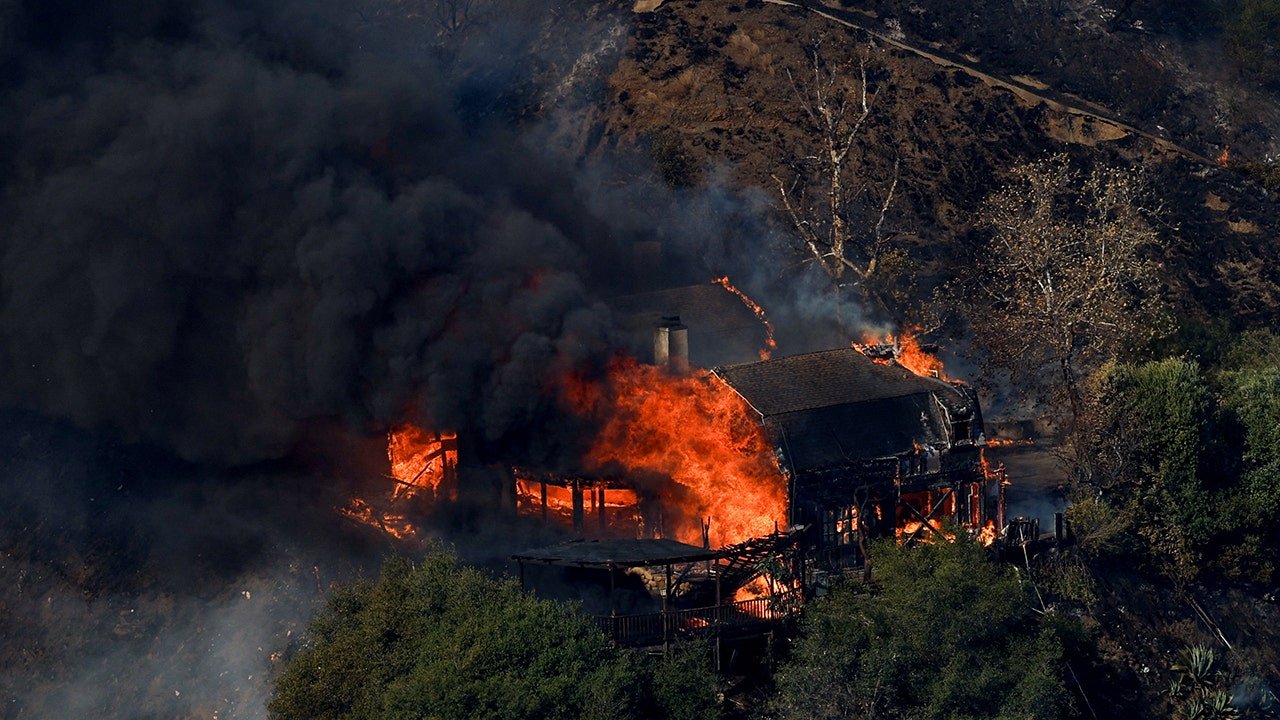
<point x="613" y="606"/>
<point x="600" y="508"/>
<point x="578" y="510"/>
<point x="716" y="629"/>
<point x="666" y="605"/>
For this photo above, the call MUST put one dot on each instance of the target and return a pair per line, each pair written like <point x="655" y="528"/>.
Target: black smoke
<point x="223" y="220"/>
<point x="223" y="225"/>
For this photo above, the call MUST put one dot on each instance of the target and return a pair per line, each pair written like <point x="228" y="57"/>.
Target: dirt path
<point x="1028" y="93"/>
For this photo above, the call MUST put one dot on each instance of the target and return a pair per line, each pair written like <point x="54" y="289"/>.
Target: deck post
<point x="578" y="506"/>
<point x="666" y="606"/>
<point x="613" y="606"/>
<point x="716" y="629"/>
<point x="600" y="508"/>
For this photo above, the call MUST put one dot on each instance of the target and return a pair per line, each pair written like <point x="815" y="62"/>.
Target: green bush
<point x="1154" y="427"/>
<point x="437" y="640"/>
<point x="1193" y="459"/>
<point x="942" y="633"/>
<point x="1253" y="34"/>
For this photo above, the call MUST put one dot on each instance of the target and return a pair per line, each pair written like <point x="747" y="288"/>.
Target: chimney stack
<point x="671" y="345"/>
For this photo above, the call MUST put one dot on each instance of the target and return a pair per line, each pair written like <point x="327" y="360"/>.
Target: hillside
<point x="704" y="87"/>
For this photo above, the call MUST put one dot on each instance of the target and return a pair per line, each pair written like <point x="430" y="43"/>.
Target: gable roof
<point x="826" y="379"/>
<point x="837" y="406"/>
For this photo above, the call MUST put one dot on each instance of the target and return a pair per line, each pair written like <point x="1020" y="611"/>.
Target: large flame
<point x="769" y="343"/>
<point x="694" y="430"/>
<point x="422" y="466"/>
<point x="421" y="461"/>
<point x="903" y="349"/>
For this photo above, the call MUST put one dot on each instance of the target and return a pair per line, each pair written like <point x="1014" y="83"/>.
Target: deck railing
<point x="652" y="628"/>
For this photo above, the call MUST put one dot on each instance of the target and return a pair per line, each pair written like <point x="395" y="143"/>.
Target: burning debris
<point x="423" y="467"/>
<point x="423" y="463"/>
<point x="905" y="350"/>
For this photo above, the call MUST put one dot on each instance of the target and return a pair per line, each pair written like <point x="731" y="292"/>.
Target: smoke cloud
<point x="224" y="219"/>
<point x="227" y="227"/>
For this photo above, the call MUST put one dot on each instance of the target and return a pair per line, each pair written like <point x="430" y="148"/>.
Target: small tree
<point x="1070" y="277"/>
<point x="843" y="229"/>
<point x="1253" y="35"/>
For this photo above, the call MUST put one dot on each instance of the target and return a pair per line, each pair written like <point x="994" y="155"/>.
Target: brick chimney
<point x="671" y="345"/>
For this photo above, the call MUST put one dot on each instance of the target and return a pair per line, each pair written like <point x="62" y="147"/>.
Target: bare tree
<point x="836" y="102"/>
<point x="1070" y="278"/>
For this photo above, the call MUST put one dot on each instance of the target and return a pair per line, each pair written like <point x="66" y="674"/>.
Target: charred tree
<point x="837" y="212"/>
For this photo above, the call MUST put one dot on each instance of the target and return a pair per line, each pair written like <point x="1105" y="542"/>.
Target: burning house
<point x="860" y="447"/>
<point x="843" y="446"/>
<point x="871" y="449"/>
<point x="708" y="501"/>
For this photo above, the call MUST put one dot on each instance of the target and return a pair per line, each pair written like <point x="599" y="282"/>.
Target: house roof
<point x="839" y="406"/>
<point x="827" y="379"/>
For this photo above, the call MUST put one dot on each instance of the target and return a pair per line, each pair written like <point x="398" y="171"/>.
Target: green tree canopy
<point x="1193" y="457"/>
<point x="941" y="633"/>
<point x="1253" y="27"/>
<point x="438" y="640"/>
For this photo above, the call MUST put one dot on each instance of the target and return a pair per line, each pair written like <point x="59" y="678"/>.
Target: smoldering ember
<point x="767" y="359"/>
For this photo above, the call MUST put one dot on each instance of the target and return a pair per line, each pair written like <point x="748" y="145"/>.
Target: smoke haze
<point x="230" y="227"/>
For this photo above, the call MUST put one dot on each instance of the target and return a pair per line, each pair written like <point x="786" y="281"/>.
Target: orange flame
<point x="917" y="528"/>
<point x="421" y="460"/>
<point x="695" y="431"/>
<point x="987" y="535"/>
<point x="422" y="467"/>
<point x="392" y="524"/>
<point x="906" y="352"/>
<point x="1010" y="442"/>
<point x="754" y="590"/>
<point x="769" y="343"/>
<point x="1225" y="158"/>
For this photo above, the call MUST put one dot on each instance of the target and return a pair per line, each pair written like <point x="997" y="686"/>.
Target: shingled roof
<point x="826" y="379"/>
<point x="837" y="406"/>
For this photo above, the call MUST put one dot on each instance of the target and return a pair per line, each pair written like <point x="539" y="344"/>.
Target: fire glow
<point x="904" y="349"/>
<point x="770" y="344"/>
<point x="423" y="463"/>
<point x="694" y="430"/>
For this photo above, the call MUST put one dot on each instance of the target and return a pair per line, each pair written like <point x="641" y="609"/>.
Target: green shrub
<point x="438" y="640"/>
<point x="1253" y="35"/>
<point x="941" y="633"/>
<point x="1193" y="461"/>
